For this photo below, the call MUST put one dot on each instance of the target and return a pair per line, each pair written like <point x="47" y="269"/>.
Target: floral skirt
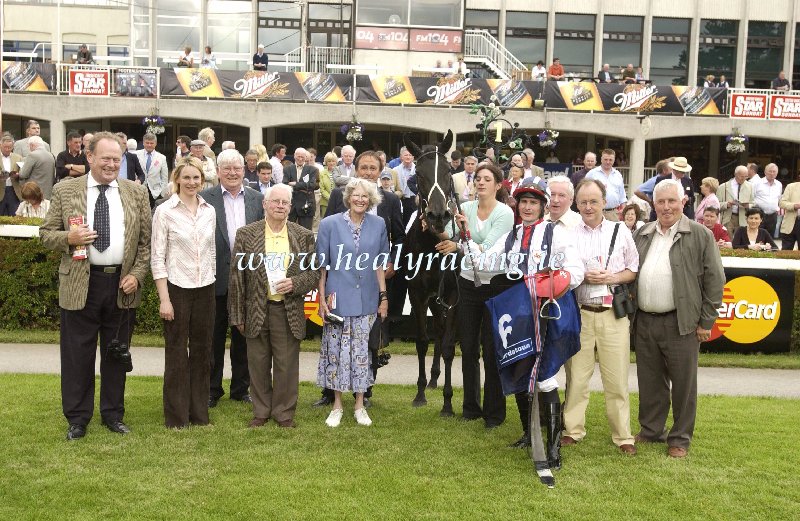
<point x="344" y="359"/>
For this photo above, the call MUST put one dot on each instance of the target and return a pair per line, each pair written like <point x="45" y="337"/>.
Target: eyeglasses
<point x="591" y="202"/>
<point x="279" y="202"/>
<point x="229" y="169"/>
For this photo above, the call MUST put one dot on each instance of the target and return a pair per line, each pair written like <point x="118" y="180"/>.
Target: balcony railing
<point x="316" y="59"/>
<point x="482" y="47"/>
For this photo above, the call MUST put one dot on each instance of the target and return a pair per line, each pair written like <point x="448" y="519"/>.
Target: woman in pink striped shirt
<point x="183" y="260"/>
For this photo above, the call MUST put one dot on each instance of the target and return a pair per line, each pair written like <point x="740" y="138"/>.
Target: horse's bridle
<point x="448" y="201"/>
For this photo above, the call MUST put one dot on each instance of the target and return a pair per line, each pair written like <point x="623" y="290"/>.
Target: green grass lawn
<point x="750" y="361"/>
<point x="410" y="464"/>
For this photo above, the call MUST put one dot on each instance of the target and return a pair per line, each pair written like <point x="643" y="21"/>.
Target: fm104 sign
<point x="89" y="82"/>
<point x="756" y="312"/>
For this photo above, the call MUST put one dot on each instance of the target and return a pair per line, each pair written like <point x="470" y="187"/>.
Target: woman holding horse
<point x="537" y="250"/>
<point x="482" y="222"/>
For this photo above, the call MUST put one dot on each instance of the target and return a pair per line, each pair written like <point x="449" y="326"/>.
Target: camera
<point x="120" y="353"/>
<point x="334" y="319"/>
<point x="383" y="357"/>
<point x="622" y="302"/>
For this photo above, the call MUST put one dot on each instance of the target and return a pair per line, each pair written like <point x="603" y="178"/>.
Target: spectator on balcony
<point x="556" y="70"/>
<point x="539" y="73"/>
<point x="781" y="83"/>
<point x="186" y="59"/>
<point x="461" y="67"/>
<point x="209" y="60"/>
<point x="260" y="59"/>
<point x="723" y="82"/>
<point x="628" y="74"/>
<point x="84" y="55"/>
<point x="709" y="81"/>
<point x="605" y="76"/>
<point x="640" y="79"/>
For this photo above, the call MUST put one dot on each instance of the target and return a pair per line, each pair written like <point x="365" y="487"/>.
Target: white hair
<point x="131" y="144"/>
<point x="227" y="157"/>
<point x="563" y="180"/>
<point x="666" y="184"/>
<point x="35" y="142"/>
<point x="348" y="148"/>
<point x="301" y="150"/>
<point x="369" y="187"/>
<point x="279" y="186"/>
<point x="205" y="133"/>
<point x="228" y="145"/>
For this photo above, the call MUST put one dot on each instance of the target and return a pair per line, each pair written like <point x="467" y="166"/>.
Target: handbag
<point x="622" y="300"/>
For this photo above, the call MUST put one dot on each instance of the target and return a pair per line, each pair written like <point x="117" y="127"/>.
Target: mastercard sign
<point x="749" y="312"/>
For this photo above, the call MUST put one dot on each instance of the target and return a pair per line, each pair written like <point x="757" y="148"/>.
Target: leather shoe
<point x="212" y="402"/>
<point x="257" y="422"/>
<point x="287" y="424"/>
<point x="524" y="441"/>
<point x="76" y="431"/>
<point x="117" y="426"/>
<point x="628" y="449"/>
<point x="244" y="399"/>
<point x="677" y="452"/>
<point x="322" y="402"/>
<point x="568" y="440"/>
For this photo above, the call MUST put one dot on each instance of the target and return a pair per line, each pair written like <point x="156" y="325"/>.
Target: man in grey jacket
<point x="39" y="166"/>
<point x="678" y="293"/>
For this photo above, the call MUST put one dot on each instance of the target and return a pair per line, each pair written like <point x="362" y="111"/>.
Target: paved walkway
<point x="149" y="361"/>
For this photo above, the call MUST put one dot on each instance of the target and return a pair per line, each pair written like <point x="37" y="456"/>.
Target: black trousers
<point x="240" y="374"/>
<point x="474" y="325"/>
<point x="378" y="337"/>
<point x="769" y="222"/>
<point x="187" y="355"/>
<point x="409" y="206"/>
<point x="788" y="240"/>
<point x="79" y="334"/>
<point x="10" y="202"/>
<point x="306" y="221"/>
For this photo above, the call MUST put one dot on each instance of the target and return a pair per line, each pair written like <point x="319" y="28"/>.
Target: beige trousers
<point x="611" y="337"/>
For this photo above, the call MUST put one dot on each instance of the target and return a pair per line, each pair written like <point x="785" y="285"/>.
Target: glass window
<point x="580" y="22"/>
<point x="289" y="10"/>
<point x="717" y="49"/>
<point x="527" y="50"/>
<point x="329" y="26"/>
<point x="620" y="54"/>
<point x="437" y="13"/>
<point x="486" y="20"/>
<point x="671" y="25"/>
<point x="796" y="74"/>
<point x="577" y="56"/>
<point x="179" y="27"/>
<point x="719" y="28"/>
<point x="229" y="27"/>
<point x="279" y="41"/>
<point x="622" y="24"/>
<point x="765" y="43"/>
<point x="382" y="12"/>
<point x="524" y="20"/>
<point x="775" y="29"/>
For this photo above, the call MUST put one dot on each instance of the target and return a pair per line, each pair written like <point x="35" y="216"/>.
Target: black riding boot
<point x="522" y="407"/>
<point x="553" y="408"/>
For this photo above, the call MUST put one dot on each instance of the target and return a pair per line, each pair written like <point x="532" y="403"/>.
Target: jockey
<point x="528" y="241"/>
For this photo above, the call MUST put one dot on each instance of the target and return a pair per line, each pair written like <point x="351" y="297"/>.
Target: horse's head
<point x="434" y="181"/>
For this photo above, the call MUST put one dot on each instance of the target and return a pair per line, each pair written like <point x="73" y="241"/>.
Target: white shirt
<point x="569" y="220"/>
<point x="655" y="276"/>
<point x="7" y="167"/>
<point x="767" y="195"/>
<point x="593" y="245"/>
<point x="277" y="169"/>
<point x="116" y="249"/>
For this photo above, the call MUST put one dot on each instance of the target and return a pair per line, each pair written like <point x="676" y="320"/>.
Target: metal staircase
<point x="483" y="48"/>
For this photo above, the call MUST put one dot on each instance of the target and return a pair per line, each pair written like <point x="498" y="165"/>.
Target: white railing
<point x="480" y="46"/>
<point x="317" y="59"/>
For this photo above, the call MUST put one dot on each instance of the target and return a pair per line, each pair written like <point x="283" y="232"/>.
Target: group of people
<point x="231" y="258"/>
<point x="208" y="60"/>
<point x="556" y="72"/>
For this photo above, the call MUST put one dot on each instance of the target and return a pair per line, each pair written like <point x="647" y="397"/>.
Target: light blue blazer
<point x="356" y="289"/>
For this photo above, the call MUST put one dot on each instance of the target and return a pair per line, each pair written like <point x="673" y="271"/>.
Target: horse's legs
<point x="438" y="324"/>
<point x="419" y="308"/>
<point x="448" y="346"/>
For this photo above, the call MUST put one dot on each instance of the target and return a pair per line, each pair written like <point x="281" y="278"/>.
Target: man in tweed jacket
<point x="269" y="309"/>
<point x="96" y="293"/>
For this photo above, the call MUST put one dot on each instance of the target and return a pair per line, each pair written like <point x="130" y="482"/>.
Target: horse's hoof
<point x="433" y="384"/>
<point x="419" y="402"/>
<point x="446" y="413"/>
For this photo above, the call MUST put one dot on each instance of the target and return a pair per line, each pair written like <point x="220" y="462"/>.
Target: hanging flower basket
<point x="154" y="123"/>
<point x="353" y="131"/>
<point x="737" y="143"/>
<point x="548" y="138"/>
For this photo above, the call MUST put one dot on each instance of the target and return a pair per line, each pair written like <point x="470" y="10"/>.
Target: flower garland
<point x="548" y="138"/>
<point x="353" y="131"/>
<point x="154" y="123"/>
<point x="737" y="143"/>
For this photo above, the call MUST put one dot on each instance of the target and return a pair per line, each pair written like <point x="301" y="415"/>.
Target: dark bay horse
<point x="434" y="286"/>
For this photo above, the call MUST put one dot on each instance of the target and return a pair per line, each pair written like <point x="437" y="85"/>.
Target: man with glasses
<point x="236" y="205"/>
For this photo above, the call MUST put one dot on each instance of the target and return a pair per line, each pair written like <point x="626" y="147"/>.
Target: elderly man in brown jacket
<point x="270" y="274"/>
<point x="678" y="291"/>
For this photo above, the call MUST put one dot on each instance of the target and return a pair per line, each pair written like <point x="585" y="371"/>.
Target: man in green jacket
<point x="678" y="293"/>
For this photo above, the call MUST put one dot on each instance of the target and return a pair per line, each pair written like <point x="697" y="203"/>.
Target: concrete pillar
<point x="256" y="135"/>
<point x="58" y="136"/>
<point x="501" y="24"/>
<point x="152" y="36"/>
<point x="203" y="28"/>
<point x="598" y="39"/>
<point x="254" y="27"/>
<point x="551" y="34"/>
<point x="741" y="48"/>
<point x="647" y="40"/>
<point x="694" y="47"/>
<point x="636" y="164"/>
<point x="788" y="43"/>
